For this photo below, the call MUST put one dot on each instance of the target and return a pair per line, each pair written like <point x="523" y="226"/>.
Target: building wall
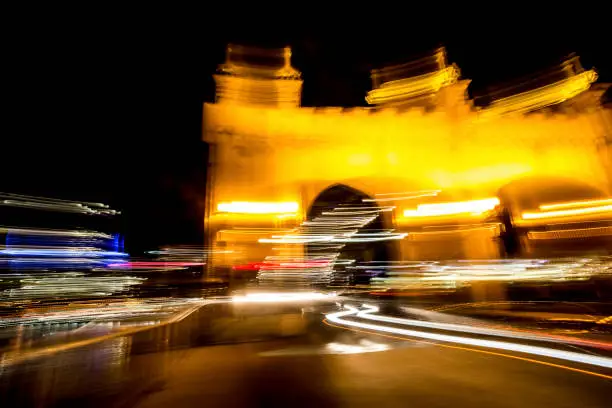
<point x="272" y="154"/>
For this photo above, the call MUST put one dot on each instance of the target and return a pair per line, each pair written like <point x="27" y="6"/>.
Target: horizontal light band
<point x="566" y="213"/>
<point x="574" y="204"/>
<point x="474" y="207"/>
<point x="247" y="207"/>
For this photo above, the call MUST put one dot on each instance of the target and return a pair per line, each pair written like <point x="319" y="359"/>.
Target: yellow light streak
<point x="246" y="207"/>
<point x="572" y="204"/>
<point x="566" y="213"/>
<point x="473" y="207"/>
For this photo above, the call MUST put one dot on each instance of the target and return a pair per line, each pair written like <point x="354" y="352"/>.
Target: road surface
<point x="290" y="355"/>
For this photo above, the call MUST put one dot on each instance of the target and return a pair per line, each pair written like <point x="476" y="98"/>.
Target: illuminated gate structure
<point x="458" y="181"/>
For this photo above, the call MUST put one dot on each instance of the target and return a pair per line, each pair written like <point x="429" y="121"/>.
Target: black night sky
<point x="105" y="105"/>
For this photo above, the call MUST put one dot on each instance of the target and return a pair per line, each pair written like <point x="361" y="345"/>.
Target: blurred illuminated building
<point x="450" y="180"/>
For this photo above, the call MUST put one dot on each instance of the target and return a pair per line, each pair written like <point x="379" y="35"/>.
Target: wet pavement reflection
<point x="127" y="367"/>
<point x="261" y="355"/>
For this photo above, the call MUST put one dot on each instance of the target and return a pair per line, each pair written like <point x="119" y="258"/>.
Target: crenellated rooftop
<point x="265" y="77"/>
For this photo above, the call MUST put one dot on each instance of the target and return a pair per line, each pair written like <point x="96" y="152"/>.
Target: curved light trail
<point x="367" y="314"/>
<point x="338" y="318"/>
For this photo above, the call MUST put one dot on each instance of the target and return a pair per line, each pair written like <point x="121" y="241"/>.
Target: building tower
<point x="419" y="82"/>
<point x="254" y="76"/>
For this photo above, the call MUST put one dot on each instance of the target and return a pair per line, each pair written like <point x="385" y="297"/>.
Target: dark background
<point x="105" y="104"/>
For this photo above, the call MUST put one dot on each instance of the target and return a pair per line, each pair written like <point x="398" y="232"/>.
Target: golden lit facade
<point x="423" y="150"/>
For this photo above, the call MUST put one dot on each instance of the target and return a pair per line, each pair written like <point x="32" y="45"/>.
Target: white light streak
<point x="367" y="314"/>
<point x="500" y="345"/>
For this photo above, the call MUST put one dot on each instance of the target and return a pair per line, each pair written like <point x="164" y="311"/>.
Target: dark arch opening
<point x="333" y="196"/>
<point x="341" y="198"/>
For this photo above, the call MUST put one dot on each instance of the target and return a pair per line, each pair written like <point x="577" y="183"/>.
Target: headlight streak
<point x="340" y="225"/>
<point x="69" y="252"/>
<point x="415" y="274"/>
<point x="294" y="271"/>
<point x="55" y="233"/>
<point x="500" y="345"/>
<point x="66" y="285"/>
<point x="44" y="249"/>
<point x="154" y="265"/>
<point x="51" y="204"/>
